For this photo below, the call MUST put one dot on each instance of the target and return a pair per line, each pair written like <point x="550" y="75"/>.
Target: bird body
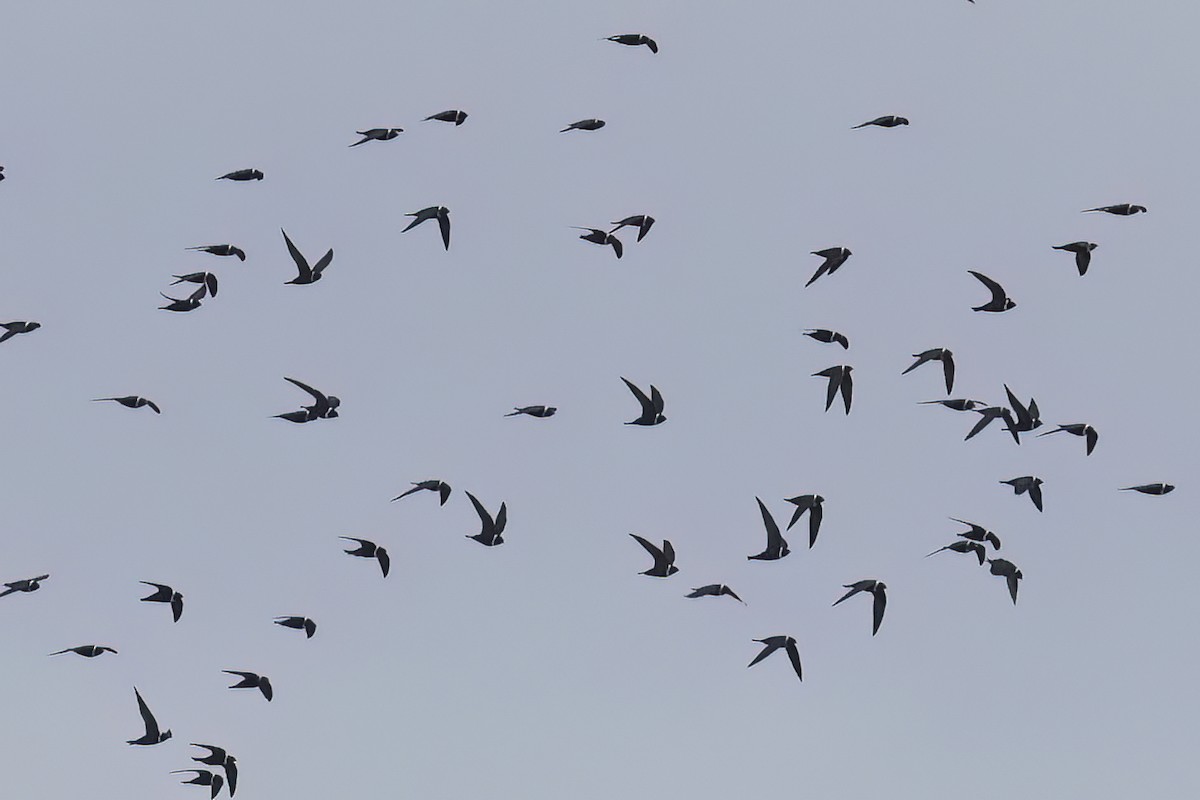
<point x="1009" y="571"/>
<point x="1082" y="251"/>
<point x="1151" y="488"/>
<point x="664" y="558"/>
<point x="252" y="680"/>
<point x="773" y="643"/>
<point x="1121" y="210"/>
<point x="242" y="175"/>
<point x="11" y="329"/>
<point x="878" y="590"/>
<point x="1000" y="300"/>
<point x="839" y="381"/>
<point x="834" y="258"/>
<point x="131" y="401"/>
<point x="152" y="735"/>
<point x="87" y="650"/>
<point x="298" y="623"/>
<point x="489" y="533"/>
<point x="1078" y="429"/>
<point x="585" y="125"/>
<point x="936" y="354"/>
<point x="368" y="549"/>
<point x="377" y="135"/>
<point x="602" y="237"/>
<point x="441" y="487"/>
<point x="221" y="250"/>
<point x="642" y="222"/>
<point x="777" y="546"/>
<point x="714" y="590"/>
<point x="890" y="121"/>
<point x="533" y="411"/>
<point x="813" y="504"/>
<point x="165" y="594"/>
<point x="205" y="279"/>
<point x="652" y="406"/>
<point x="634" y="40"/>
<point x="306" y="274"/>
<point x="828" y="337"/>
<point x="24" y="585"/>
<point x="440" y="213"/>
<point x="453" y="115"/>
<point x="1028" y="483"/>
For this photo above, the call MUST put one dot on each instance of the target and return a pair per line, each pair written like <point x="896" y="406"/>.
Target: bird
<point x="597" y="236"/>
<point x="533" y="411"/>
<point x="24" y="585"/>
<point x="489" y="533"/>
<point x="242" y="175"/>
<point x="963" y="546"/>
<point x="152" y="735"/>
<point x="889" y="121"/>
<point x="714" y="590"/>
<point x="441" y="487"/>
<point x="131" y="401"/>
<point x="440" y="213"/>
<point x="828" y="337"/>
<point x="299" y="623"/>
<point x="643" y="222"/>
<point x="1028" y="483"/>
<point x="1000" y="566"/>
<point x="1151" y="488"/>
<point x="377" y="135"/>
<point x="936" y="354"/>
<point x="11" y="329"/>
<point x="305" y="274"/>
<point x="165" y="594"/>
<point x="453" y="115"/>
<point x="205" y="279"/>
<point x="585" y="125"/>
<point x="204" y="777"/>
<point x="1082" y="251"/>
<point x="219" y="757"/>
<point x="1122" y="210"/>
<point x="1000" y="300"/>
<point x="1" y="173"/>
<point x="652" y="406"/>
<point x="323" y="407"/>
<point x="1078" y="429"/>
<point x="777" y="546"/>
<point x="664" y="559"/>
<point x="834" y="258"/>
<point x="839" y="380"/>
<point x="978" y="533"/>
<point x="183" y="304"/>
<point x="87" y="650"/>
<point x="252" y="680"/>
<point x="368" y="549"/>
<point x="221" y="250"/>
<point x="812" y="503"/>
<point x="991" y="413"/>
<point x="959" y="404"/>
<point x="878" y="589"/>
<point x="1027" y="417"/>
<point x="633" y="40"/>
<point x="773" y="643"/>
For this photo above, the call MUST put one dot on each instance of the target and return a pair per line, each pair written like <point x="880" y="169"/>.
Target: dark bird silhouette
<point x="440" y="213"/>
<point x="205" y="279"/>
<point x="963" y="546"/>
<point x="986" y="415"/>
<point x="878" y="589"/>
<point x="368" y="549"/>
<point x="652" y="406"/>
<point x="777" y="546"/>
<point x="834" y="258"/>
<point x="204" y="777"/>
<point x="300" y="416"/>
<point x="664" y="559"/>
<point x="11" y="329"/>
<point x="252" y="680"/>
<point x="597" y="236"/>
<point x="533" y="411"/>
<point x="242" y="175"/>
<point x="131" y="401"/>
<point x="299" y="623"/>
<point x="978" y="533"/>
<point x="642" y="222"/>
<point x="182" y="304"/>
<point x="1" y="173"/>
<point x="1151" y="488"/>
<point x="955" y="405"/>
<point x="937" y="354"/>
<point x="584" y="125"/>
<point x="377" y="135"/>
<point x="773" y="643"/>
<point x="1028" y="483"/>
<point x="306" y="274"/>
<point x="86" y="650"/>
<point x="1007" y="569"/>
<point x="1078" y="429"/>
<point x="165" y="594"/>
<point x="1027" y="417"/>
<point x="889" y="121"/>
<point x="813" y="504"/>
<point x="218" y="757"/>
<point x="441" y="487"/>
<point x="221" y="250"/>
<point x="633" y="40"/>
<point x="839" y="380"/>
<point x="453" y="115"/>
<point x="1000" y="300"/>
<point x="1082" y="251"/>
<point x="828" y="337"/>
<point x="1122" y="210"/>
<point x="24" y="585"/>
<point x="491" y="529"/>
<point x="323" y="407"/>
<point x="152" y="735"/>
<point x="714" y="590"/>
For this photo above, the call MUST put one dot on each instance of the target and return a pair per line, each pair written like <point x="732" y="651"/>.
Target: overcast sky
<point x="548" y="667"/>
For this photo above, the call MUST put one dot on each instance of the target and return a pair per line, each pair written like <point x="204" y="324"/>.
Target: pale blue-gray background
<point x="548" y="667"/>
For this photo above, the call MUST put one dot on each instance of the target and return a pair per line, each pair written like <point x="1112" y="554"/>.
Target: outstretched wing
<point x="301" y="262"/>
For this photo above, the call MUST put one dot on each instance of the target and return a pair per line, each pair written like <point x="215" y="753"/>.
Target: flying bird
<point x="440" y="213"/>
<point x="165" y="594"/>
<point x="489" y="533"/>
<point x="597" y="236"/>
<point x="1078" y="429"/>
<point x="813" y="504"/>
<point x="999" y="566"/>
<point x="773" y="643"/>
<point x="453" y="115"/>
<point x="152" y="735"/>
<point x="839" y="380"/>
<point x="963" y="546"/>
<point x="205" y="279"/>
<point x="219" y="757"/>
<point x="11" y="329"/>
<point x="298" y="623"/>
<point x="878" y="589"/>
<point x="959" y="404"/>
<point x="1028" y="483"/>
<point x="221" y="250"/>
<point x="633" y="40"/>
<point x="937" y="354"/>
<point x="131" y="401"/>
<point x="377" y="135"/>
<point x="978" y="533"/>
<point x="986" y="415"/>
<point x="306" y="274"/>
<point x="1082" y="251"/>
<point x="323" y="407"/>
<point x="1151" y="488"/>
<point x="834" y="258"/>
<point x="1028" y="417"/>
<point x="183" y="304"/>
<point x="714" y="590"/>
<point x="87" y="650"/>
<point x="652" y="406"/>
<point x="584" y="125"/>
<point x="441" y="487"/>
<point x="664" y="559"/>
<point x="1122" y="210"/>
<point x="889" y="121"/>
<point x="252" y="680"/>
<point x="242" y="175"/>
<point x="368" y="549"/>
<point x="1000" y="300"/>
<point x="828" y="337"/>
<point x="533" y="411"/>
<point x="204" y="777"/>
<point x="777" y="546"/>
<point x="642" y="222"/>
<point x="24" y="585"/>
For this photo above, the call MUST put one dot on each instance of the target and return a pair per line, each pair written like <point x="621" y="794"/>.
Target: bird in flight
<point x="165" y="594"/>
<point x="963" y="546"/>
<point x="834" y="258"/>
<point x="878" y="589"/>
<point x="205" y="279"/>
<point x="839" y="380"/>
<point x="24" y="585"/>
<point x="453" y="115"/>
<point x="986" y="415"/>
<point x="715" y="590"/>
<point x="440" y="213"/>
<point x="773" y="643"/>
<point x="221" y="250"/>
<point x="86" y="650"/>
<point x="664" y="558"/>
<point x="777" y="546"/>
<point x="533" y="411"/>
<point x="1078" y="429"/>
<point x="1007" y="569"/>
<point x="489" y="533"/>
<point x="1028" y="483"/>
<point x="377" y="135"/>
<point x="306" y="274"/>
<point x="368" y="549"/>
<point x="813" y="504"/>
<point x="889" y="121"/>
<point x="1082" y="251"/>
<point x="252" y="680"/>
<point x="1028" y="417"/>
<point x="11" y="329"/>
<point x="652" y="406"/>
<point x="219" y="757"/>
<point x="190" y="303"/>
<point x="1122" y="210"/>
<point x="204" y="777"/>
<point x="242" y="175"/>
<point x="977" y="533"/>
<point x="131" y="401"/>
<point x="828" y="337"/>
<point x="597" y="236"/>
<point x="959" y="404"/>
<point x="152" y="735"/>
<point x="643" y="222"/>
<point x="323" y="407"/>
<point x="441" y="487"/>
<point x="584" y="125"/>
<point x="633" y="40"/>
<point x="298" y="623"/>
<point x="936" y="354"/>
<point x="1151" y="488"/>
<point x="1000" y="300"/>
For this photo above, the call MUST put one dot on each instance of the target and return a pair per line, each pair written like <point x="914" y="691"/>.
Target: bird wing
<point x="147" y="718"/>
<point x="322" y="402"/>
<point x="647" y="404"/>
<point x="655" y="553"/>
<point x="814" y="524"/>
<point x="769" y="646"/>
<point x="774" y="538"/>
<point x="443" y="492"/>
<point x="948" y="371"/>
<point x="325" y="261"/>
<point x="301" y="262"/>
<point x="484" y="516"/>
<point x="847" y="387"/>
<point x="877" y="609"/>
<point x="1012" y="579"/>
<point x="385" y="563"/>
<point x="1092" y="437"/>
<point x="501" y="519"/>
<point x="1035" y="494"/>
<point x="444" y="225"/>
<point x="176" y="606"/>
<point x="794" y="654"/>
<point x="162" y="595"/>
<point x="996" y="289"/>
<point x="656" y="400"/>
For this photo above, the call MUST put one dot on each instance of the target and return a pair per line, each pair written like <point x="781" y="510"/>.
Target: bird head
<point x="1009" y="303"/>
<point x="162" y="737"/>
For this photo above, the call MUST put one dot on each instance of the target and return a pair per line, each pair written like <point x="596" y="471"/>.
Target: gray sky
<point x="548" y="666"/>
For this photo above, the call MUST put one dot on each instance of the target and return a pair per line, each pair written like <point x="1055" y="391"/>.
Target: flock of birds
<point x="221" y="770"/>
